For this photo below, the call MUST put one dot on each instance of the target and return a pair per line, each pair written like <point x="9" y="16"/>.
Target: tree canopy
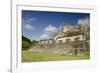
<point x="26" y="43"/>
<point x="34" y="42"/>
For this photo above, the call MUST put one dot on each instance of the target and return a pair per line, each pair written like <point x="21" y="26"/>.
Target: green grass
<point x="36" y="57"/>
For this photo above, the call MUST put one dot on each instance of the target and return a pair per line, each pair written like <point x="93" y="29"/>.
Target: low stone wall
<point x="56" y="49"/>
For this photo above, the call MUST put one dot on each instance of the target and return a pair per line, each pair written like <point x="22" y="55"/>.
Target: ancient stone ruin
<point x="69" y="39"/>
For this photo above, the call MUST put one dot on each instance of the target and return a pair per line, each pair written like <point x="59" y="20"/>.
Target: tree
<point x="34" y="42"/>
<point x="26" y="43"/>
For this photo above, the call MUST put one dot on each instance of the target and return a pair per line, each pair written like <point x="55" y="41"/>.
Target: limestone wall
<point x="71" y="38"/>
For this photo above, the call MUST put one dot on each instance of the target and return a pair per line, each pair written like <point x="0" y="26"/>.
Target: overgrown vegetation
<point x="26" y="43"/>
<point x="34" y="42"/>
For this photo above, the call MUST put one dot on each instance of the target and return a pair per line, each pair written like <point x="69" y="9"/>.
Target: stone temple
<point x="69" y="39"/>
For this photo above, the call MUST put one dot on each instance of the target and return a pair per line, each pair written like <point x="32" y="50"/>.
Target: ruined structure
<point x="69" y="39"/>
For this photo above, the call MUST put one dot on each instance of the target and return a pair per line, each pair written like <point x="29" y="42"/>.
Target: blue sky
<point x="37" y="25"/>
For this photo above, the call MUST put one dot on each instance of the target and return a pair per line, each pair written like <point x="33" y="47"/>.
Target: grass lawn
<point x="36" y="57"/>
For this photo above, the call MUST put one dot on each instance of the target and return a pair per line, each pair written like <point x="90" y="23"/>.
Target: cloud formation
<point x="28" y="27"/>
<point x="44" y="36"/>
<point x="50" y="28"/>
<point x="84" y="21"/>
<point x="32" y="19"/>
<point x="48" y="32"/>
<point x="27" y="23"/>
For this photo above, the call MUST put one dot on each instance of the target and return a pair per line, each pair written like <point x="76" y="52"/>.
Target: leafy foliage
<point x="34" y="42"/>
<point x="26" y="43"/>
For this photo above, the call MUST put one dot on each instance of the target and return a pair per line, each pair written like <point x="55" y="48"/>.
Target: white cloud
<point x="28" y="27"/>
<point x="27" y="24"/>
<point x="28" y="21"/>
<point x="50" y="28"/>
<point x="33" y="19"/>
<point x="44" y="36"/>
<point x="84" y="21"/>
<point x="48" y="32"/>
